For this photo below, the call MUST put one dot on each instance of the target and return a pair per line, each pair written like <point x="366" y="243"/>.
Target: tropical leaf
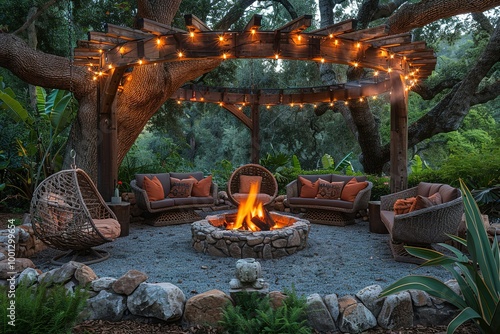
<point x="327" y="161"/>
<point x="41" y="97"/>
<point x="15" y="110"/>
<point x="466" y="315"/>
<point x="345" y="163"/>
<point x="296" y="162"/>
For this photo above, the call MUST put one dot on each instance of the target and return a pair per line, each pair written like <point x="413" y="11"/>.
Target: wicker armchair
<point x="268" y="186"/>
<point x="425" y="226"/>
<point x="68" y="213"/>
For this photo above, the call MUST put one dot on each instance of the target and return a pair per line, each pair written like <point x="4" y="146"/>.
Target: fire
<point x="251" y="213"/>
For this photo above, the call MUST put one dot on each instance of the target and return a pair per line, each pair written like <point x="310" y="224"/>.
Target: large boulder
<point x="354" y="316"/>
<point x="369" y="297"/>
<point x="397" y="311"/>
<point x="126" y="284"/>
<point x="60" y="275"/>
<point x="318" y="315"/>
<point x="164" y="301"/>
<point x="106" y="306"/>
<point x="205" y="309"/>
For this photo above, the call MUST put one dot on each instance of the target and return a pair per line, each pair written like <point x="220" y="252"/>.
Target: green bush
<point x="253" y="314"/>
<point x="40" y="309"/>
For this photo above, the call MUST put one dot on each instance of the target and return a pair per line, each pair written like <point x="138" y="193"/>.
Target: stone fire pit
<point x="217" y="241"/>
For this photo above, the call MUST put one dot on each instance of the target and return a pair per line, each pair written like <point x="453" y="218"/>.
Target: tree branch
<point x="416" y="15"/>
<point x="428" y="93"/>
<point x="32" y="18"/>
<point x="483" y="21"/>
<point x="486" y="94"/>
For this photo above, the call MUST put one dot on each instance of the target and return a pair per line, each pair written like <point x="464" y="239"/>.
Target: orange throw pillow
<point x="403" y="205"/>
<point x="351" y="189"/>
<point x="247" y="180"/>
<point x="181" y="188"/>
<point x="422" y="202"/>
<point x="309" y="189"/>
<point x="153" y="188"/>
<point x="329" y="190"/>
<point x="201" y="188"/>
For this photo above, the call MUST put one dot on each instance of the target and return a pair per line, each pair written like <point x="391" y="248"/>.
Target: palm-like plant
<point x="477" y="276"/>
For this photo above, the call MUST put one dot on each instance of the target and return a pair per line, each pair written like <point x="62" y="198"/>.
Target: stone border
<point x="215" y="241"/>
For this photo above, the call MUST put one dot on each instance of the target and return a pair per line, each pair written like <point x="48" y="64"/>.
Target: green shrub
<point x="41" y="309"/>
<point x="253" y="314"/>
<point x="477" y="276"/>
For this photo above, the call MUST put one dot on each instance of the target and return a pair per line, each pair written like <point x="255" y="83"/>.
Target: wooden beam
<point x="255" y="153"/>
<point x="415" y="46"/>
<point x="297" y="25"/>
<point x="393" y="40"/>
<point x="239" y="114"/>
<point x="399" y="134"/>
<point x="194" y="24"/>
<point x="336" y="29"/>
<point x="254" y="24"/>
<point x="156" y="28"/>
<point x="125" y="33"/>
<point x="366" y="34"/>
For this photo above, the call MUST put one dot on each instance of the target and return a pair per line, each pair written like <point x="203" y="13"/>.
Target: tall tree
<point x="150" y="86"/>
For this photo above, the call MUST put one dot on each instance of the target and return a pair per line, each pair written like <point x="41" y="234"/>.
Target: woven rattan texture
<point x="175" y="217"/>
<point x="327" y="217"/>
<point x="63" y="208"/>
<point x="268" y="186"/>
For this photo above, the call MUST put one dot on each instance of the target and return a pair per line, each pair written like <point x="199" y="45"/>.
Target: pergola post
<point x="399" y="133"/>
<point x="255" y="155"/>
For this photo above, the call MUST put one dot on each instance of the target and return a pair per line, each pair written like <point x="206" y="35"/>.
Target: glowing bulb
<point x="291" y="104"/>
<point x="355" y="64"/>
<point x="392" y="56"/>
<point x="336" y="42"/>
<point x="110" y="66"/>
<point x="180" y="54"/>
<point x="358" y="45"/>
<point x="375" y="74"/>
<point x="268" y="106"/>
<point x="191" y="34"/>
<point x="158" y="41"/>
<point x="221" y="104"/>
<point x="361" y="99"/>
<point x="140" y="61"/>
<point x="224" y="55"/>
<point x="331" y="35"/>
<point x="374" y="97"/>
<point x="94" y="78"/>
<point x="322" y="60"/>
<point x="299" y="37"/>
<point x="178" y="101"/>
<point x="346" y="103"/>
<point x="100" y="50"/>
<point x="277" y="56"/>
<point x="389" y="70"/>
<point x="221" y="38"/>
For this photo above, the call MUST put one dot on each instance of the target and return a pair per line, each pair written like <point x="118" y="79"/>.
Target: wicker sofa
<point x="426" y="225"/>
<point x="173" y="210"/>
<point x="337" y="212"/>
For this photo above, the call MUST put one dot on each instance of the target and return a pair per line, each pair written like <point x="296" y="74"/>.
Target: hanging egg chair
<point x="69" y="214"/>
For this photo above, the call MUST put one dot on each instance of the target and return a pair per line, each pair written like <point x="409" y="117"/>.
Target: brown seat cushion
<point x="153" y="188"/>
<point x="109" y="228"/>
<point x="261" y="197"/>
<point x="309" y="189"/>
<point x="201" y="188"/>
<point x="403" y="205"/>
<point x="351" y="189"/>
<point x="329" y="190"/>
<point x="181" y="188"/>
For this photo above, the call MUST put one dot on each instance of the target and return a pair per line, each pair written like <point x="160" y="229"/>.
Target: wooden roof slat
<point x="297" y="25"/>
<point x="101" y="37"/>
<point x="157" y="28"/>
<point x="420" y="45"/>
<point x="125" y="33"/>
<point x="336" y="29"/>
<point x="84" y="52"/>
<point x="254" y="24"/>
<point x="194" y="24"/>
<point x="366" y="34"/>
<point x="392" y="40"/>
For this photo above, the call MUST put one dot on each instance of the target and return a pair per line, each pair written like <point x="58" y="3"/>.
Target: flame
<point x="249" y="208"/>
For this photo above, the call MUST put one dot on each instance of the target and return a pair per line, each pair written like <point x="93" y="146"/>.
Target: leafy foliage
<point x="253" y="314"/>
<point x="42" y="309"/>
<point x="477" y="276"/>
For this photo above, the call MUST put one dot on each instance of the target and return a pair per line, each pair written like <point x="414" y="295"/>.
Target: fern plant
<point x="41" y="309"/>
<point x="253" y="314"/>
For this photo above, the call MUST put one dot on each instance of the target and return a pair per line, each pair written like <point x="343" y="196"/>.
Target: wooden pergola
<point x="396" y="62"/>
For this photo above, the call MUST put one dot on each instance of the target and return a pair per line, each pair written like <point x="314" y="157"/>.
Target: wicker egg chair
<point x="65" y="209"/>
<point x="268" y="187"/>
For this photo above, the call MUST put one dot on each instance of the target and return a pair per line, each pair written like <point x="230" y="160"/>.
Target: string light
<point x="322" y="60"/>
<point x="299" y="37"/>
<point x="253" y="31"/>
<point x="158" y="41"/>
<point x="221" y="38"/>
<point x="191" y="34"/>
<point x="276" y="56"/>
<point x="268" y="106"/>
<point x="180" y="54"/>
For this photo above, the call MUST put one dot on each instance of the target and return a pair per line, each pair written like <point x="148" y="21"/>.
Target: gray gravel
<point x="339" y="260"/>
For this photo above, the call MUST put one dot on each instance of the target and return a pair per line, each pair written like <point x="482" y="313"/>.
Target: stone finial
<point x="248" y="276"/>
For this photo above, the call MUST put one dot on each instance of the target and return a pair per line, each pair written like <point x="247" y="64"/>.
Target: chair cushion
<point x="247" y="180"/>
<point x="109" y="228"/>
<point x="181" y="188"/>
<point x="193" y="200"/>
<point x="448" y="193"/>
<point x="387" y="217"/>
<point x="163" y="203"/>
<point x="426" y="189"/>
<point x="403" y="205"/>
<point x="329" y="190"/>
<point x="317" y="203"/>
<point x="153" y="188"/>
<point x="201" y="188"/>
<point x="261" y="197"/>
<point x="351" y="189"/>
<point x="308" y="189"/>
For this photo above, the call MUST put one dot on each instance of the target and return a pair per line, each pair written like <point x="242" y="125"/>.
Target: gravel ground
<point x="339" y="260"/>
